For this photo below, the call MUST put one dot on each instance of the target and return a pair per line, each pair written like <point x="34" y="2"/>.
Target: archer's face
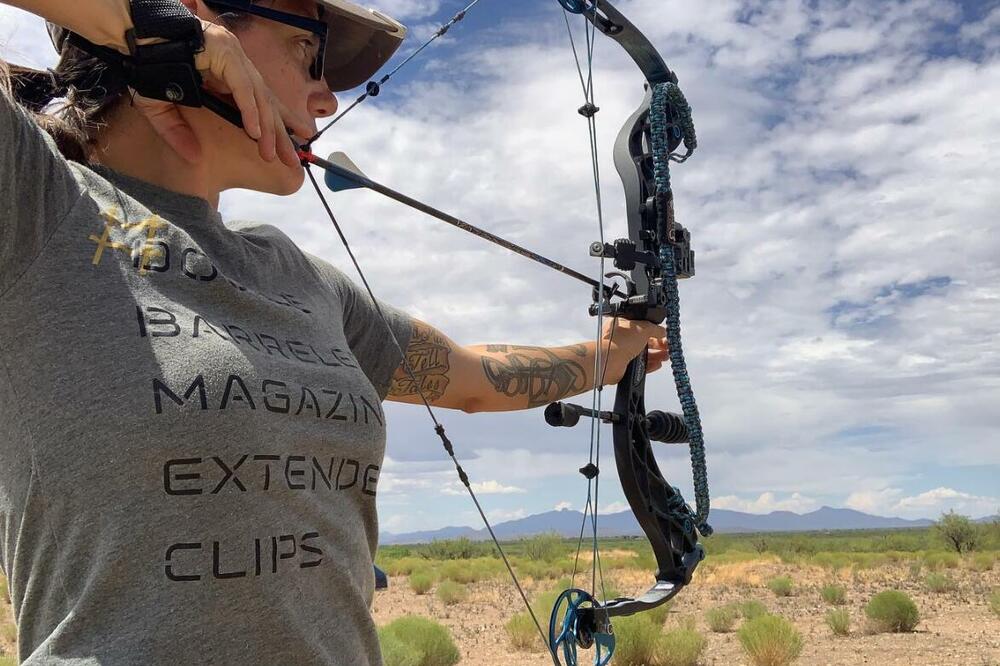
<point x="282" y="55"/>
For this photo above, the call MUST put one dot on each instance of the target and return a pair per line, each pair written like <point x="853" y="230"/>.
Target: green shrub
<point x="770" y="640"/>
<point x="982" y="562"/>
<point x="395" y="652"/>
<point x="543" y="547"/>
<point x="457" y="549"/>
<point x="940" y="583"/>
<point x="915" y="568"/>
<point x="636" y="641"/>
<point x="421" y="582"/>
<point x="751" y="609"/>
<point x="995" y="602"/>
<point x="892" y="611"/>
<point x="839" y="622"/>
<point x="429" y="639"/>
<point x="451" y="593"/>
<point x="781" y="586"/>
<point x="679" y="647"/>
<point x="832" y="594"/>
<point x="722" y="618"/>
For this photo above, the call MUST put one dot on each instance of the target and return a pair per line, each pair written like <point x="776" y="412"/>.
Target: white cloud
<point x="766" y="503"/>
<point x="503" y="515"/>
<point x="563" y="506"/>
<point x="481" y="488"/>
<point x="928" y="504"/>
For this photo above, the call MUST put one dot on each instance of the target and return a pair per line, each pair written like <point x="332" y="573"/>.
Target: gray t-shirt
<point x="191" y="427"/>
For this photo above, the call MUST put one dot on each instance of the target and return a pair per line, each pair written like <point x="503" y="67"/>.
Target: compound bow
<point x="656" y="253"/>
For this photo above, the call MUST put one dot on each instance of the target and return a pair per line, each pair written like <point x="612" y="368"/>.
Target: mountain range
<point x="567" y="523"/>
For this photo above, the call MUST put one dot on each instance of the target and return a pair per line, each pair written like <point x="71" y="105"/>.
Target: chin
<point x="279" y="179"/>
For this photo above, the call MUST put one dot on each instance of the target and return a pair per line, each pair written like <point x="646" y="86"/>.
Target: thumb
<point x="168" y="123"/>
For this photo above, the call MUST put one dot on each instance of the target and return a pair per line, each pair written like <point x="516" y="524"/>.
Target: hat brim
<point x="359" y="42"/>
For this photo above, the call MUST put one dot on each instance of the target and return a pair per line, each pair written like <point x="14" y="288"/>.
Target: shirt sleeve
<point x="367" y="334"/>
<point x="37" y="189"/>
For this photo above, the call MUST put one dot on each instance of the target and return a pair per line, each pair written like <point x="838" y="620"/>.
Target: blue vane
<point x="345" y="174"/>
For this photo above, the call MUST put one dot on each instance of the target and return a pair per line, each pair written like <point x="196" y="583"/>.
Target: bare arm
<point x="504" y="377"/>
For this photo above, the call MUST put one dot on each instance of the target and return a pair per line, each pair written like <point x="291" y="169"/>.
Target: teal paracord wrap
<point x="668" y="95"/>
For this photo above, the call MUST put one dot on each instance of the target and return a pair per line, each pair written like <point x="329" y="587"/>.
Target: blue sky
<point x="842" y="330"/>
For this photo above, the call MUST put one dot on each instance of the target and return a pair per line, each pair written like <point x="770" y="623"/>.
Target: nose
<point x="322" y="102"/>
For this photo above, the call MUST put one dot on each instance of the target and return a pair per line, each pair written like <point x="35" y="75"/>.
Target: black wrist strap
<point x="167" y="19"/>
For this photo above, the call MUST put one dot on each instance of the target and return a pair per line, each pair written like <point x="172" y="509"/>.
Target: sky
<point x="841" y="332"/>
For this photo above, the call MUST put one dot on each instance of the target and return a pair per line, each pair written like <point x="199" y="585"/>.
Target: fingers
<point x="226" y="68"/>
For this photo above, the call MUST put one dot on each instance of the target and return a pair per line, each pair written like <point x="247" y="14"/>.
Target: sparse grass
<point x="994" y="601"/>
<point x="781" y="586"/>
<point x="940" y="583"/>
<point x="681" y="646"/>
<point x="839" y="622"/>
<point x="430" y="640"/>
<point x="892" y="611"/>
<point x="659" y="614"/>
<point x="4" y="593"/>
<point x="751" y="609"/>
<point x="451" y="593"/>
<point x="940" y="560"/>
<point x="421" y="582"/>
<point x="770" y="640"/>
<point x="835" y="595"/>
<point x="521" y="628"/>
<point x="982" y="562"/>
<point x="722" y="619"/>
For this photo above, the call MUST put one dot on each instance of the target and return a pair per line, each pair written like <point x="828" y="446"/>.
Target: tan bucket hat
<point x="360" y="41"/>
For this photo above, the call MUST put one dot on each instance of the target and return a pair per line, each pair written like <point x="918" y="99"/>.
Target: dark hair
<point x="91" y="91"/>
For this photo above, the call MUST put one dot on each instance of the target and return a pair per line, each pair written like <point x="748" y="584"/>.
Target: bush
<point x="781" y="586"/>
<point x="636" y="641"/>
<point x="770" y="640"/>
<point x="995" y="602"/>
<point x="679" y="647"/>
<point x="892" y="611"/>
<point x="958" y="531"/>
<point x="451" y="593"/>
<point x="659" y="614"/>
<point x="751" y="609"/>
<point x="457" y="549"/>
<point x="939" y="583"/>
<point x="835" y="595"/>
<point x="421" y="582"/>
<point x="395" y="652"/>
<point x="543" y="547"/>
<point x="722" y="618"/>
<point x="430" y="640"/>
<point x="521" y="628"/>
<point x="839" y="622"/>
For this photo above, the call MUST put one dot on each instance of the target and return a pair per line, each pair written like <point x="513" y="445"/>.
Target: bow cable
<point x="373" y="88"/>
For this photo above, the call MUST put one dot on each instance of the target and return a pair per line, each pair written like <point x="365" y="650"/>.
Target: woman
<point x="191" y="427"/>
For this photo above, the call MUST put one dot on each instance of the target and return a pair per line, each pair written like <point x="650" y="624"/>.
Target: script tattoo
<point x="536" y="372"/>
<point x="427" y="355"/>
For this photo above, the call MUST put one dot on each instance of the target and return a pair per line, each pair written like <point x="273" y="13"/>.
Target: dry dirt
<point x="956" y="628"/>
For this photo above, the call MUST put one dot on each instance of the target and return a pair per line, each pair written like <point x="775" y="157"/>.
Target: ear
<point x="167" y="121"/>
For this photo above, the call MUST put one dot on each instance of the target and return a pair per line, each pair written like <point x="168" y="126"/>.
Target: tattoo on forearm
<point x="427" y="355"/>
<point x="536" y="372"/>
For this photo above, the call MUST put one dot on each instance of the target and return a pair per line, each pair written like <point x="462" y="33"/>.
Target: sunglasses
<point x="315" y="26"/>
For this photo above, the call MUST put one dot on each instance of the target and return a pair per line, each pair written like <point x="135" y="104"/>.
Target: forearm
<point x="513" y="377"/>
<point x="102" y="22"/>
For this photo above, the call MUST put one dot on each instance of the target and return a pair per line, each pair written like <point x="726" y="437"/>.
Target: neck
<point x="129" y="145"/>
